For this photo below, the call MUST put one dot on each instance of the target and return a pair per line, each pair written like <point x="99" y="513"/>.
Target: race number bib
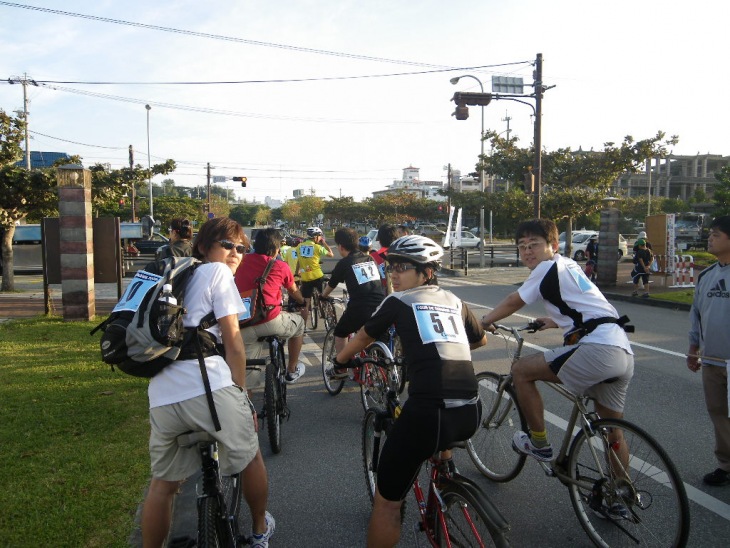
<point x="140" y="285"/>
<point x="246" y="314"/>
<point x="306" y="251"/>
<point x="366" y="272"/>
<point x="437" y="323"/>
<point x="381" y="269"/>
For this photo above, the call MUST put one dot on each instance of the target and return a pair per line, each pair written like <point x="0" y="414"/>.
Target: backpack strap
<point x="261" y="281"/>
<point x="207" y="321"/>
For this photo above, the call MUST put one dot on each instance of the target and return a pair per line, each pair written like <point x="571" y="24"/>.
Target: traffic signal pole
<point x="537" y="169"/>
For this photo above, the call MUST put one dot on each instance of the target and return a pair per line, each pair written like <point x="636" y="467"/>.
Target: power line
<point x="221" y="37"/>
<point x="279" y="80"/>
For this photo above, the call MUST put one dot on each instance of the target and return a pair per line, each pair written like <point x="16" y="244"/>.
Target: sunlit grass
<point x="74" y="434"/>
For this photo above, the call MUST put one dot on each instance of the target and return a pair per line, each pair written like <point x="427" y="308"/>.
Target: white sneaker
<point x="522" y="443"/>
<point x="291" y="378"/>
<point x="262" y="540"/>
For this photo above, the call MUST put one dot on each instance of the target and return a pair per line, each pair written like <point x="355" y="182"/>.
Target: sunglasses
<point x="228" y="245"/>
<point x="400" y="268"/>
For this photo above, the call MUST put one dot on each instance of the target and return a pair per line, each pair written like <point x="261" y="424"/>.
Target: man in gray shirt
<point x="708" y="343"/>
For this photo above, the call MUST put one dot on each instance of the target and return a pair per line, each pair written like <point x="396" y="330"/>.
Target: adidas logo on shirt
<point x="719" y="290"/>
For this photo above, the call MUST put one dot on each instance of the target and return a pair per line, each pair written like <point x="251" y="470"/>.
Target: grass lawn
<point x="74" y="438"/>
<point x="684" y="296"/>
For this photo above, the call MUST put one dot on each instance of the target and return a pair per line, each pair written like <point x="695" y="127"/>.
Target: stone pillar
<point x="608" y="244"/>
<point x="77" y="245"/>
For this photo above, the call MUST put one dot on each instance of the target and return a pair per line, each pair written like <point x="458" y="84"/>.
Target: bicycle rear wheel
<point x="373" y="382"/>
<point x="329" y="314"/>
<point x="314" y="310"/>
<point x="466" y="522"/>
<point x="403" y="367"/>
<point x="274" y="394"/>
<point x="333" y="386"/>
<point x="642" y="501"/>
<point x="212" y="532"/>
<point x="490" y="448"/>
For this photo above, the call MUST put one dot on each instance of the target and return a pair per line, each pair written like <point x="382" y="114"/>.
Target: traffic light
<point x="242" y="179"/>
<point x="463" y="98"/>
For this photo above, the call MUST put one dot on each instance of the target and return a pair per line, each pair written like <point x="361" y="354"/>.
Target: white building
<point x="411" y="183"/>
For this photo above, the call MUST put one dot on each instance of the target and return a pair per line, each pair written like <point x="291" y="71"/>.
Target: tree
<point x="574" y="182"/>
<point x="721" y="197"/>
<point x="172" y="207"/>
<point x="21" y="191"/>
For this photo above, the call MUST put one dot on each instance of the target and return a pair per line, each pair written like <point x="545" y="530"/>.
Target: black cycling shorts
<point x="308" y="287"/>
<point x="422" y="429"/>
<point x="352" y="319"/>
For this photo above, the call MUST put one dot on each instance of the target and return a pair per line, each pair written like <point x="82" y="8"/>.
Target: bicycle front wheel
<point x="466" y="522"/>
<point x="211" y="530"/>
<point x="490" y="448"/>
<point x="369" y="450"/>
<point x="333" y="386"/>
<point x="273" y="403"/>
<point x="626" y="492"/>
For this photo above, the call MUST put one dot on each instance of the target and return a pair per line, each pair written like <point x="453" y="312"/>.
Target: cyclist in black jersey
<point x="437" y="331"/>
<point x="359" y="272"/>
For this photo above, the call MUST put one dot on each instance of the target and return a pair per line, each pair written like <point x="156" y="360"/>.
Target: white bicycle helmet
<point x="313" y="231"/>
<point x="417" y="249"/>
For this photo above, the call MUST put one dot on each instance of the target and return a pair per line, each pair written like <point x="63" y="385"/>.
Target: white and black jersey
<point x="436" y="329"/>
<point x="570" y="299"/>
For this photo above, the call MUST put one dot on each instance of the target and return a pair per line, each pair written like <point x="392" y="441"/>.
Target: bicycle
<point x="617" y="502"/>
<point x="454" y="511"/>
<point x="275" y="409"/>
<point x="372" y="379"/>
<point x="317" y="308"/>
<point x="219" y="497"/>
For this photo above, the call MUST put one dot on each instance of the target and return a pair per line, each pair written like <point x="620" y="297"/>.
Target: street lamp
<point x="149" y="165"/>
<point x="455" y="81"/>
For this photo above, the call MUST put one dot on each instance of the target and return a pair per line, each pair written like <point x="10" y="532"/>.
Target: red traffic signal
<point x="242" y="179"/>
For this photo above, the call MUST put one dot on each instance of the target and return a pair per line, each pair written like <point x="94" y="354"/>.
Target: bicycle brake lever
<point x="532" y="327"/>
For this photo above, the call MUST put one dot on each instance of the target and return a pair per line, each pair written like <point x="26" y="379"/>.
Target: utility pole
<point x="507" y="119"/>
<point x="132" y="181"/>
<point x="25" y="81"/>
<point x="208" y="171"/>
<point x="448" y="188"/>
<point x="537" y="168"/>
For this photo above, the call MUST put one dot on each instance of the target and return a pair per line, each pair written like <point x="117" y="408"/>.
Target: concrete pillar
<point x="608" y="244"/>
<point x="77" y="244"/>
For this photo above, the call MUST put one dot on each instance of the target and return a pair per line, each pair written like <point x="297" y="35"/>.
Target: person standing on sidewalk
<point x="708" y="343"/>
<point x="642" y="262"/>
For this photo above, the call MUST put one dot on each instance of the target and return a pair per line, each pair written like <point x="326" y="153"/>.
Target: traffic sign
<point x="211" y="215"/>
<point x="219" y="178"/>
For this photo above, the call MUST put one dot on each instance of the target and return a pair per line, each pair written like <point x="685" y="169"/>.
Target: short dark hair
<point x="214" y="230"/>
<point x="722" y="224"/>
<point x="347" y="238"/>
<point x="387" y="234"/>
<point x="544" y="228"/>
<point x="267" y="242"/>
<point x="183" y="227"/>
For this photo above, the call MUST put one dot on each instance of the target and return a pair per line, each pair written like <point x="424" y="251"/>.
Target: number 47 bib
<point x="437" y="323"/>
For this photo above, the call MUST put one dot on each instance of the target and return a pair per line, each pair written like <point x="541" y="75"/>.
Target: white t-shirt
<point x="563" y="279"/>
<point x="210" y="289"/>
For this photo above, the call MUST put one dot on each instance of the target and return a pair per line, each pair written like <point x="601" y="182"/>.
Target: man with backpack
<point x="180" y="402"/>
<point x="181" y="234"/>
<point x="285" y="325"/>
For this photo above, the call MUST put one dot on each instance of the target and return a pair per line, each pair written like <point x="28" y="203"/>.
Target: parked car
<point x="468" y="240"/>
<point x="436" y="234"/>
<point x="580" y="242"/>
<point x="149" y="246"/>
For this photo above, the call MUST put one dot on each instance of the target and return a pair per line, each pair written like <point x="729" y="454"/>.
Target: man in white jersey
<point x="599" y="364"/>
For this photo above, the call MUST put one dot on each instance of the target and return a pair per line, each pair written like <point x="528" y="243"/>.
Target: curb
<point x="657" y="303"/>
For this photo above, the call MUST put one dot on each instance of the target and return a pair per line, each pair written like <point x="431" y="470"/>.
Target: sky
<point x="338" y="96"/>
